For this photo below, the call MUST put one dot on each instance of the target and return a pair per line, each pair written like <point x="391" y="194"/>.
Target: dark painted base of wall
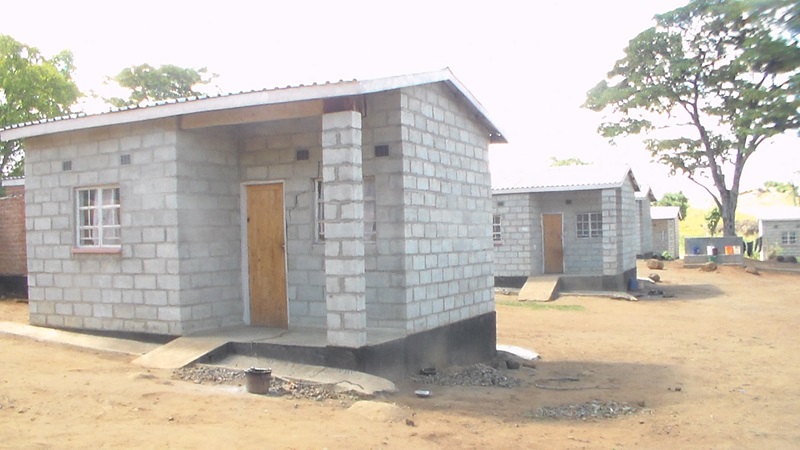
<point x="510" y="282"/>
<point x="597" y="283"/>
<point x="466" y="342"/>
<point x="15" y="286"/>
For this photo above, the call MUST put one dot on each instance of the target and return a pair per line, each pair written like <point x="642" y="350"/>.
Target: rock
<point x="752" y="270"/>
<point x="511" y="364"/>
<point x="655" y="264"/>
<point x="654" y="277"/>
<point x="709" y="266"/>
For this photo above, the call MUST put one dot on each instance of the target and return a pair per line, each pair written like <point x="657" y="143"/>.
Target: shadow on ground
<point x="553" y="386"/>
<point x="665" y="292"/>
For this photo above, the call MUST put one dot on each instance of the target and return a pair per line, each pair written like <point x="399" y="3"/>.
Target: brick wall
<point x="518" y="254"/>
<point x="13" y="259"/>
<point x="135" y="290"/>
<point x="771" y="232"/>
<point x="447" y="210"/>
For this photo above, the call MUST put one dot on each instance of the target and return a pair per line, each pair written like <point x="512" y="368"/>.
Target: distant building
<point x="666" y="230"/>
<point x="779" y="229"/>
<point x="644" y="198"/>
<point x="577" y="221"/>
<point x="13" y="253"/>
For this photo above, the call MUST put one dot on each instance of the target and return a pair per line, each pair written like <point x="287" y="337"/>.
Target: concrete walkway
<point x="103" y="343"/>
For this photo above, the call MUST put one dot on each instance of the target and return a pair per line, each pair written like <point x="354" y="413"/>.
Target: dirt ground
<point x="714" y="365"/>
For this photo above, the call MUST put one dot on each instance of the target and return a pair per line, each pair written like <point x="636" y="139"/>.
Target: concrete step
<point x="181" y="352"/>
<point x="541" y="288"/>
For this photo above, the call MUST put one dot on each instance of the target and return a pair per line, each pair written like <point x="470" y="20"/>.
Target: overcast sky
<point x="530" y="63"/>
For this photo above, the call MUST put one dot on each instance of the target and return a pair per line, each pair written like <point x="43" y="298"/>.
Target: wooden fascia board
<point x="252" y="114"/>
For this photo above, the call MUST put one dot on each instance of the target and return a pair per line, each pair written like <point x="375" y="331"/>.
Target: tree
<point x="555" y="162"/>
<point x="675" y="199"/>
<point x="148" y="84"/>
<point x="32" y="88"/>
<point x="712" y="220"/>
<point x="709" y="83"/>
<point x="784" y="188"/>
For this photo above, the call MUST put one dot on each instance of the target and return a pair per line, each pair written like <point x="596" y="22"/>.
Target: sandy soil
<point x="715" y="366"/>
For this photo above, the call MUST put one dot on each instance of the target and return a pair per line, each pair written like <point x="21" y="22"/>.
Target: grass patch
<point x="541" y="305"/>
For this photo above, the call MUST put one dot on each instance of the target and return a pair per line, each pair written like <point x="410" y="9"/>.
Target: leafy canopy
<point x="32" y="88"/>
<point x="556" y="162"/>
<point x="148" y="84"/>
<point x="709" y="83"/>
<point x="675" y="199"/>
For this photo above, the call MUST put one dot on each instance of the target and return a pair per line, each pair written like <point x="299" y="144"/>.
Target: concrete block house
<point x="13" y="255"/>
<point x="361" y="208"/>
<point x="644" y="199"/>
<point x="779" y="229"/>
<point x="666" y="230"/>
<point x="577" y="222"/>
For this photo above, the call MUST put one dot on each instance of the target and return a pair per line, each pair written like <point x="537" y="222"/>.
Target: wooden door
<point x="553" y="243"/>
<point x="266" y="254"/>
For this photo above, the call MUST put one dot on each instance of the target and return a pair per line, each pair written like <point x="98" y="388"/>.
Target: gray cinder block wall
<point x="179" y="268"/>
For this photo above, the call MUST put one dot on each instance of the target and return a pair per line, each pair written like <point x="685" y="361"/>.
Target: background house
<point x="576" y="221"/>
<point x="361" y="208"/>
<point x="779" y="229"/>
<point x="643" y="200"/>
<point x="13" y="258"/>
<point x="666" y="230"/>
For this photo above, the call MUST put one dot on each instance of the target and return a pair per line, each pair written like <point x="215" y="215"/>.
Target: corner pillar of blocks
<point x="343" y="193"/>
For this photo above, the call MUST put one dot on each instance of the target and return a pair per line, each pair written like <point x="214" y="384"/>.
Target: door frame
<point x="245" y="257"/>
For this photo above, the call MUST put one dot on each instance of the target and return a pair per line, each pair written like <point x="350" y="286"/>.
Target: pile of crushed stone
<point x="590" y="410"/>
<point x="474" y="375"/>
<point x="201" y="374"/>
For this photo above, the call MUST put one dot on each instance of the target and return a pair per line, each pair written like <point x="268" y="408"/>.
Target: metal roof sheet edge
<point x="176" y="107"/>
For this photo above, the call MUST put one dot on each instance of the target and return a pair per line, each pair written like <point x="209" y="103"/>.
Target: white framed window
<point x="97" y="217"/>
<point x="788" y="238"/>
<point x="497" y="229"/>
<point x="370" y="208"/>
<point x="590" y="225"/>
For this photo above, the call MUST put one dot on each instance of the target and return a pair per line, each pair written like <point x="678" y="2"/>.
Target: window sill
<point x="96" y="250"/>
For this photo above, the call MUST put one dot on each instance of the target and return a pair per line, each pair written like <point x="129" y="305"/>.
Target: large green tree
<point x="147" y="84"/>
<point x="709" y="83"/>
<point x="675" y="199"/>
<point x="32" y="87"/>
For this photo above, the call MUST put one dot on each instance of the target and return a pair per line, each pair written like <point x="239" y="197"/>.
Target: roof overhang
<point x="184" y="107"/>
<point x="606" y="183"/>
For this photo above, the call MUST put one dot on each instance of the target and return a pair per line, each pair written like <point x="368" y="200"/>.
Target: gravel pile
<point x="209" y="375"/>
<point x="279" y="387"/>
<point x="589" y="410"/>
<point x="474" y="375"/>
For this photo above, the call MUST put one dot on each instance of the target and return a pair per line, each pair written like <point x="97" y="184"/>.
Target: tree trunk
<point x="727" y="213"/>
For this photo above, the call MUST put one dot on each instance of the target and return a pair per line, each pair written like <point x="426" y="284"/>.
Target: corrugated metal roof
<point x="645" y="192"/>
<point x="12" y="181"/>
<point x="177" y="107"/>
<point x="564" y="178"/>
<point x="779" y="213"/>
<point x="665" y="212"/>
